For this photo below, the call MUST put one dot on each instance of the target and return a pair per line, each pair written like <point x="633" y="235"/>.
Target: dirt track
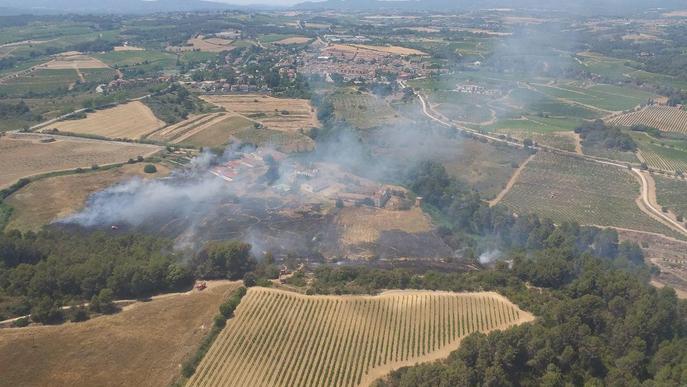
<point x="511" y="182"/>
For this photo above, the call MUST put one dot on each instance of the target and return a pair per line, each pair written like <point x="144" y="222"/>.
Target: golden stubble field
<point x="131" y="120"/>
<point x="25" y="155"/>
<point x="46" y="200"/>
<point x="365" y="224"/>
<point x="279" y="338"/>
<point x="143" y="345"/>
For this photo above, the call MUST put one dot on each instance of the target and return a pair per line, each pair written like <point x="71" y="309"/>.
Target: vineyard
<point x="279" y="338"/>
<point x="665" y="118"/>
<point x="659" y="158"/>
<point x="671" y="193"/>
<point x="564" y="188"/>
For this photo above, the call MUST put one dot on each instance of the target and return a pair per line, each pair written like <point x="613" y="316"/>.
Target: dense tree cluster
<point x="40" y="273"/>
<point x="610" y="137"/>
<point x="174" y="104"/>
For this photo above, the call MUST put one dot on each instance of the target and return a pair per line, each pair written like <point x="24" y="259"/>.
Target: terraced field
<point x="279" y="338"/>
<point x="564" y="188"/>
<point x="666" y="118"/>
<point x="282" y="114"/>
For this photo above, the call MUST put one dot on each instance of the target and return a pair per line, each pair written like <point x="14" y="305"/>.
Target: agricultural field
<point x="662" y="154"/>
<point x="131" y="120"/>
<point x="485" y="167"/>
<point x="561" y="140"/>
<point x="362" y="110"/>
<point x="46" y="200"/>
<point x="280" y="114"/>
<point x="41" y="81"/>
<point x="365" y="224"/>
<point x="24" y="156"/>
<point x="282" y="141"/>
<point x="278" y="338"/>
<point x="672" y="193"/>
<point x="395" y="50"/>
<point x="74" y="60"/>
<point x="601" y="97"/>
<point x="665" y="118"/>
<point x="205" y="130"/>
<point x="201" y="43"/>
<point x="141" y="346"/>
<point x="130" y="58"/>
<point x="219" y="133"/>
<point x="564" y="188"/>
<point x="293" y="40"/>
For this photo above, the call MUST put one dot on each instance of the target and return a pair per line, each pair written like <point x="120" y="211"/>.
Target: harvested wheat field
<point x="294" y="40"/>
<point x="72" y="60"/>
<point x="665" y="118"/>
<point x="143" y="345"/>
<point x="282" y="114"/>
<point x="26" y="155"/>
<point x="279" y="338"/>
<point x="46" y="200"/>
<point x="366" y="224"/>
<point x="210" y="44"/>
<point x="395" y="50"/>
<point x="131" y="120"/>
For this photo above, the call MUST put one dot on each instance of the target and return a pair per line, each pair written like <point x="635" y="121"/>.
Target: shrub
<point x="78" y="314"/>
<point x="220" y="321"/>
<point x="249" y="280"/>
<point x="22" y="322"/>
<point x="150" y="168"/>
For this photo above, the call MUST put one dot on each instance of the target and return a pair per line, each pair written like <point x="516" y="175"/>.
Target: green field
<point x="604" y="97"/>
<point x="220" y="133"/>
<point x="564" y="188"/>
<point x="138" y="58"/>
<point x="362" y="110"/>
<point x="485" y="167"/>
<point x="42" y="81"/>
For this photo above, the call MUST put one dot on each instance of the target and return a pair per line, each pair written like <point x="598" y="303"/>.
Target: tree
<point x="219" y="259"/>
<point x="106" y="302"/>
<point x="249" y="280"/>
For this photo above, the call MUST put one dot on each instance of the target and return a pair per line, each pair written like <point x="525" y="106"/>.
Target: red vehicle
<point x="201" y="286"/>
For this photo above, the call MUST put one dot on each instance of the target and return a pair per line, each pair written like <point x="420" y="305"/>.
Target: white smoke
<point x="137" y="200"/>
<point x="489" y="257"/>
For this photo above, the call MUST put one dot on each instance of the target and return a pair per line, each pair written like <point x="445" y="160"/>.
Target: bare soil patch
<point x="143" y="345"/>
<point x="46" y="200"/>
<point x="25" y="156"/>
<point x="132" y="120"/>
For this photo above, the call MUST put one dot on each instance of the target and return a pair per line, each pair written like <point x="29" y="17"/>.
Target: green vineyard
<point x="279" y="338"/>
<point x="568" y="189"/>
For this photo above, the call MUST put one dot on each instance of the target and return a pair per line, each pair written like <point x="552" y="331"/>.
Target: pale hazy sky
<point x="266" y="2"/>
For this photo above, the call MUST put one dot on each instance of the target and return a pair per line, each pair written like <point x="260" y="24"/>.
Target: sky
<point x="262" y="2"/>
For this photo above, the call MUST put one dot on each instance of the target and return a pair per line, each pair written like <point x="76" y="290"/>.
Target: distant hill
<point x="579" y="6"/>
<point x="109" y="6"/>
